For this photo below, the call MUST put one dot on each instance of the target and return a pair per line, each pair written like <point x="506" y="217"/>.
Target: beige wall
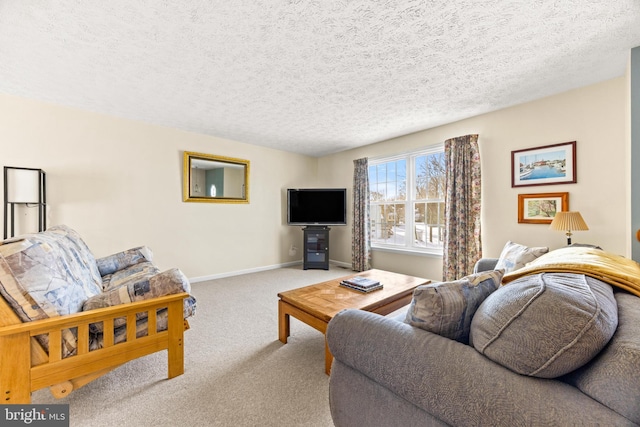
<point x="593" y="116"/>
<point x="119" y="183"/>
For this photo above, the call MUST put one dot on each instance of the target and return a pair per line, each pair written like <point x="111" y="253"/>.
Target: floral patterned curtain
<point x="462" y="245"/>
<point x="360" y="240"/>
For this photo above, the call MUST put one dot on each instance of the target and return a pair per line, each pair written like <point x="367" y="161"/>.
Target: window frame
<point x="408" y="246"/>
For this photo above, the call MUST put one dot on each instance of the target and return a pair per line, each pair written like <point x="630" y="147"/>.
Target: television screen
<point x="317" y="206"/>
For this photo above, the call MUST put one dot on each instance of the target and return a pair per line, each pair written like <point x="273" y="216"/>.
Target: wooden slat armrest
<point x="37" y="327"/>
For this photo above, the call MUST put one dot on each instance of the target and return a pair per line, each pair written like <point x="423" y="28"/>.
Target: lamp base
<point x="568" y="234"/>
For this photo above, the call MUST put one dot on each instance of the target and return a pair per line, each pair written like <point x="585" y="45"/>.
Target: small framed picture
<point x="541" y="208"/>
<point x="549" y="164"/>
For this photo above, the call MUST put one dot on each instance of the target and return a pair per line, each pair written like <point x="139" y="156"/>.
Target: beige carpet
<point x="237" y="372"/>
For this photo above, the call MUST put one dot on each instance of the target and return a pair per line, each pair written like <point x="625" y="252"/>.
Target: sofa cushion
<point x="515" y="256"/>
<point x="170" y="282"/>
<point x="446" y="308"/>
<point x="121" y="260"/>
<point x="545" y="325"/>
<point x="131" y="274"/>
<point x="48" y="274"/>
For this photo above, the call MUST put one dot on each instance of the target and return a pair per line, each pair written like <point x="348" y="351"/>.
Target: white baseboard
<point x="258" y="269"/>
<point x="341" y="264"/>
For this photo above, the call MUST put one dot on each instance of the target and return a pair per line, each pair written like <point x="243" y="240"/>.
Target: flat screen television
<point x="317" y="206"/>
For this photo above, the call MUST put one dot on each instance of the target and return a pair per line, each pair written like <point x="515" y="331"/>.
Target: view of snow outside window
<point x="407" y="201"/>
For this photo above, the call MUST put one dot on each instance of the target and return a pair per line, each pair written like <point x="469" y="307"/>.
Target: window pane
<point x="381" y="192"/>
<point x="429" y="224"/>
<point x="382" y="172"/>
<point x="401" y="173"/>
<point x="373" y="176"/>
<point x="373" y="191"/>
<point x="420" y="212"/>
<point x="396" y="223"/>
<point x="391" y="191"/>
<point x="419" y="225"/>
<point x="399" y="212"/>
<point x="435" y="175"/>
<point x="381" y="229"/>
<point x="377" y="234"/>
<point x="388" y="223"/>
<point x="420" y="168"/>
<point x="434" y="223"/>
<point x="391" y="171"/>
<point x="432" y="213"/>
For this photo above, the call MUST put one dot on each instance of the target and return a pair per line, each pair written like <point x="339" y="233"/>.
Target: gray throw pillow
<point x="515" y="256"/>
<point x="446" y="308"/>
<point x="545" y="325"/>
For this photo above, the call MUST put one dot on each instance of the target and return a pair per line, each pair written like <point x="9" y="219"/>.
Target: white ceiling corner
<point x="313" y="77"/>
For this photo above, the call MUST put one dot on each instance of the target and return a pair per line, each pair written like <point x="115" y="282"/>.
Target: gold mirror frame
<point x="206" y="178"/>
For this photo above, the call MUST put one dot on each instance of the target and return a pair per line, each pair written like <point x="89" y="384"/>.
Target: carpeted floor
<point x="237" y="372"/>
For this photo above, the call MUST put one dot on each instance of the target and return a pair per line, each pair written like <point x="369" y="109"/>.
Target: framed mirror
<point x="215" y="179"/>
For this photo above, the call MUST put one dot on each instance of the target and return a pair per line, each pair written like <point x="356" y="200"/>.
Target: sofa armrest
<point x="485" y="264"/>
<point x="118" y="261"/>
<point x="452" y="381"/>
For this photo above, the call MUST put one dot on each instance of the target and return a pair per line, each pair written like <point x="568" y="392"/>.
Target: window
<point x="407" y="201"/>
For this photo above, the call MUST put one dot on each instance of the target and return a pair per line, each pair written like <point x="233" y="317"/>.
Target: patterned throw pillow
<point x="515" y="256"/>
<point x="447" y="308"/>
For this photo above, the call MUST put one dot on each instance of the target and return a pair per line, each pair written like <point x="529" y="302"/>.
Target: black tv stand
<point x="316" y="247"/>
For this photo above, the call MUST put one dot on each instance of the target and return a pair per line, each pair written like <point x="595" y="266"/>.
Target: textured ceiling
<point x="309" y="76"/>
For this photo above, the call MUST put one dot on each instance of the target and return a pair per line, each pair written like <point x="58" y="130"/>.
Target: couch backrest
<point x="47" y="274"/>
<point x="612" y="377"/>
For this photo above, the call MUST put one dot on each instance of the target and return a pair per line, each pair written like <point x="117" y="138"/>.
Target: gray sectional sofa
<point x="387" y="372"/>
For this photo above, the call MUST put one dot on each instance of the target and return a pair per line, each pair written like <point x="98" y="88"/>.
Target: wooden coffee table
<point x="316" y="305"/>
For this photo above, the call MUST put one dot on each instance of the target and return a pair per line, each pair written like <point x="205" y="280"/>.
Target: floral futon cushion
<point x="170" y="282"/>
<point x="48" y="274"/>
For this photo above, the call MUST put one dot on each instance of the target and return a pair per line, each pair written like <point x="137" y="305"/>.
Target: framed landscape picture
<point x="549" y="164"/>
<point x="541" y="208"/>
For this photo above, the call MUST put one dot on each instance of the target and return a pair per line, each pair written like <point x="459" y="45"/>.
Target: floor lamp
<point x="23" y="186"/>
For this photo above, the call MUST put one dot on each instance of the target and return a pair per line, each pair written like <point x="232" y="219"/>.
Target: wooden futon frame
<point x="25" y="366"/>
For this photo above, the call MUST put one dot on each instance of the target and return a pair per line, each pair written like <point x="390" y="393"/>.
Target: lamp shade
<point x="23" y="185"/>
<point x="568" y="221"/>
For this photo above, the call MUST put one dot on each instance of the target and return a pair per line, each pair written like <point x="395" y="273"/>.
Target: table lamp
<point x="568" y="222"/>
